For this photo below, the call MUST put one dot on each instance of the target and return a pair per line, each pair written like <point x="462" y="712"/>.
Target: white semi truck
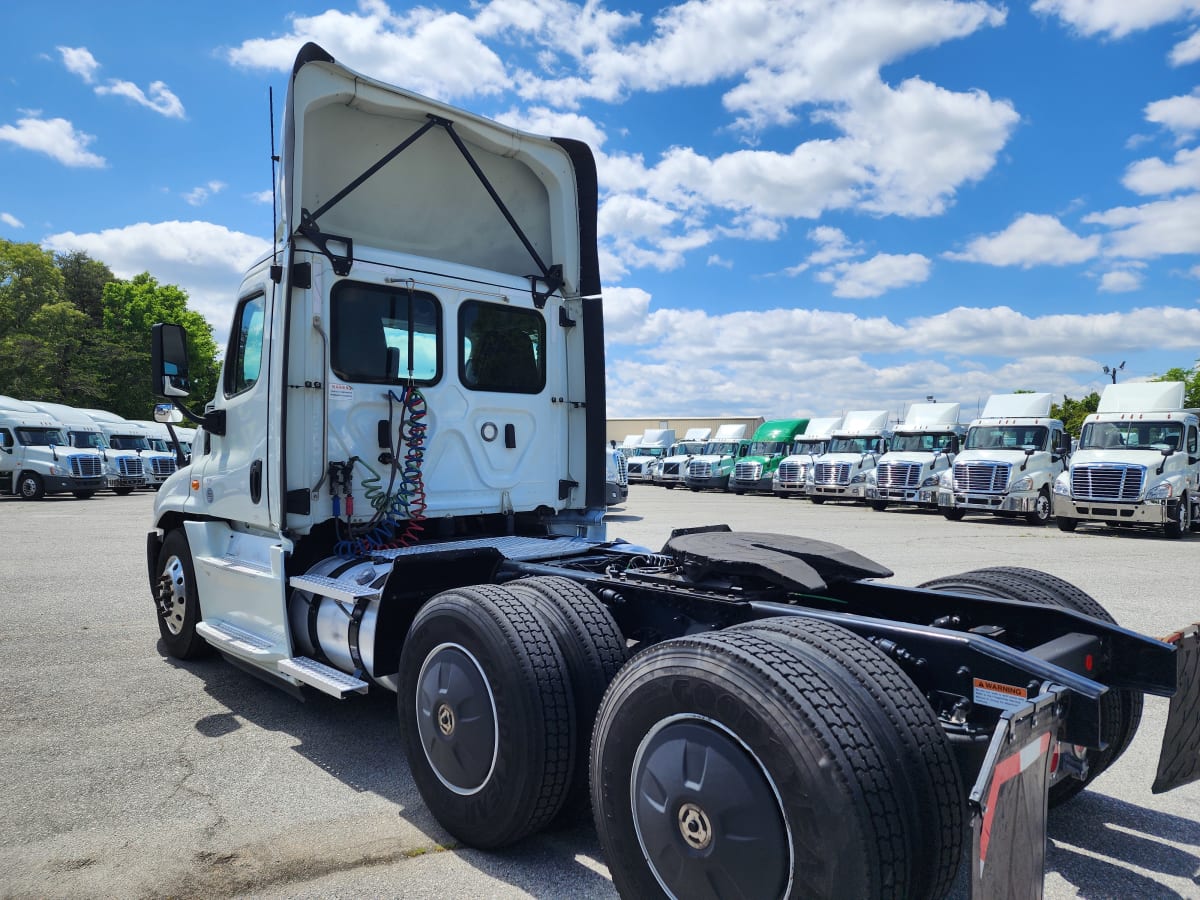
<point x="671" y="468"/>
<point x="791" y="477"/>
<point x="854" y="449"/>
<point x="1012" y="454"/>
<point x="1137" y="462"/>
<point x="643" y="462"/>
<point x="401" y="487"/>
<point x="36" y="458"/>
<point x="616" y="477"/>
<point x="922" y="448"/>
<point x="125" y="445"/>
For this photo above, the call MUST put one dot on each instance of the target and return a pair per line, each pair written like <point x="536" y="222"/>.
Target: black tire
<point x="787" y="765"/>
<point x="695" y="490"/>
<point x="122" y="491"/>
<point x="84" y="495"/>
<point x="782" y="495"/>
<point x="1065" y="524"/>
<point x="176" y="600"/>
<point x="30" y="486"/>
<point x="927" y="777"/>
<point x="1041" y="509"/>
<point x="670" y="487"/>
<point x="817" y="500"/>
<point x="486" y="715"/>
<point x="1120" y="710"/>
<point x="1182" y="523"/>
<point x="879" y="505"/>
<point x="954" y="515"/>
<point x="592" y="647"/>
<point x="739" y="493"/>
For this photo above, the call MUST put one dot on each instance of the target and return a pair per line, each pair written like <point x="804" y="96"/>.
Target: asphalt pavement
<point x="124" y="773"/>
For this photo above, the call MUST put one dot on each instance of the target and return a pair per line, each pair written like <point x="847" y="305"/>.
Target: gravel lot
<point x="127" y="774"/>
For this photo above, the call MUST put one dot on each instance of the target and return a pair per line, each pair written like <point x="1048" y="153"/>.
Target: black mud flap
<point x="1179" y="759"/>
<point x="1008" y="803"/>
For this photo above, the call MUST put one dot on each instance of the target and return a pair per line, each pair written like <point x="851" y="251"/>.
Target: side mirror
<point x="1167" y="451"/>
<point x="165" y="412"/>
<point x="169" y="360"/>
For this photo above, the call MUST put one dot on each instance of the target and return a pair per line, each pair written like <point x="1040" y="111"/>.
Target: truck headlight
<point x="1162" y="491"/>
<point x="946" y="480"/>
<point x="1022" y="484"/>
<point x="871" y="478"/>
<point x="931" y="481"/>
<point x="859" y="478"/>
<point x="1062" y="484"/>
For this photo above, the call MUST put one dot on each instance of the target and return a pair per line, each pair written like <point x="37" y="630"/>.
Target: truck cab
<point x="671" y="468"/>
<point x="922" y="448"/>
<point x="854" y="449"/>
<point x="772" y="441"/>
<point x="644" y="461"/>
<point x="791" y="475"/>
<point x="711" y="469"/>
<point x="1013" y="453"/>
<point x="36" y="458"/>
<point x="1137" y="462"/>
<point x="616" y="477"/>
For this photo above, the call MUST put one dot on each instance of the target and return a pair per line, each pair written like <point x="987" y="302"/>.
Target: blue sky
<point x="807" y="206"/>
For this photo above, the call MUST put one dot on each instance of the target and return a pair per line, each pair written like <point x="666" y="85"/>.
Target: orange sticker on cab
<point x="998" y="695"/>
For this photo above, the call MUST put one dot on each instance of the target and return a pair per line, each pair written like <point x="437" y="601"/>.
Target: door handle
<point x="256" y="481"/>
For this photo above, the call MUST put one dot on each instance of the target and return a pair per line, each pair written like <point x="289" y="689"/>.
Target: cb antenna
<point x="274" y="160"/>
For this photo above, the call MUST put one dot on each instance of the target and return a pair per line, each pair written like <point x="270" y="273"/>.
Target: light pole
<point x="1113" y="370"/>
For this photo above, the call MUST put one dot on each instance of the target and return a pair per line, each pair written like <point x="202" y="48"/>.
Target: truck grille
<point x="699" y="470"/>
<point x="832" y="473"/>
<point x="747" y="471"/>
<point x="792" y="472"/>
<point x="130" y="467"/>
<point x="622" y="469"/>
<point x="671" y="468"/>
<point x="85" y="466"/>
<point x="635" y="468"/>
<point x="1107" y="482"/>
<point x="981" y="478"/>
<point x="162" y="466"/>
<point x="898" y="475"/>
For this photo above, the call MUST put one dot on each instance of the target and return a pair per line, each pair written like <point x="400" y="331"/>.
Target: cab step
<point x="224" y="636"/>
<point x="324" y="678"/>
<point x="346" y="590"/>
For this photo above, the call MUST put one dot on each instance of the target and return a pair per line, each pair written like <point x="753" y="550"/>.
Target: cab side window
<point x="244" y="356"/>
<point x="6" y="439"/>
<point x="1192" y="444"/>
<point x="501" y="348"/>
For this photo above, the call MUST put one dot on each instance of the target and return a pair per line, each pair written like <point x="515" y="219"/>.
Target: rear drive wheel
<point x="733" y="765"/>
<point x="176" y="599"/>
<point x="592" y="647"/>
<point x="1040" y="515"/>
<point x="1120" y="710"/>
<point x="30" y="486"/>
<point x="486" y="715"/>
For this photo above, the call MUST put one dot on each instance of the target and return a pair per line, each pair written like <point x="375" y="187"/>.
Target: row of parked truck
<point x="51" y="448"/>
<point x="1136" y="461"/>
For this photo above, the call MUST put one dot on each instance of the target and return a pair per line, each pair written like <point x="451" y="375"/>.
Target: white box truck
<point x="643" y="462"/>
<point x="854" y="449"/>
<point x="400" y="492"/>
<point x="922" y="448"/>
<point x="36" y="458"/>
<point x="1137" y="462"/>
<point x="671" y="468"/>
<point x="1012" y="454"/>
<point x="791" y="477"/>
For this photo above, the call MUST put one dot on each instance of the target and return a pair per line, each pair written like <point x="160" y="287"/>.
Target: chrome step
<point x="322" y="677"/>
<point x="223" y="635"/>
<point x="334" y="588"/>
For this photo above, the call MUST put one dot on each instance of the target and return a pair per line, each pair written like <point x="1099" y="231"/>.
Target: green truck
<point x="770" y="444"/>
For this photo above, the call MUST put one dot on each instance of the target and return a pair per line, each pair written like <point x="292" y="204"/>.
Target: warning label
<point x="340" y="393"/>
<point x="998" y="695"/>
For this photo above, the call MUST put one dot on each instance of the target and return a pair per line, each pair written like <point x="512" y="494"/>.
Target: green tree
<point x="1072" y="412"/>
<point x="130" y="309"/>
<point x="84" y="279"/>
<point x="28" y="281"/>
<point x="1191" y="382"/>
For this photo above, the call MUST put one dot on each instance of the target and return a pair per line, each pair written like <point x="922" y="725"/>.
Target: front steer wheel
<point x="176" y="599"/>
<point x="1181" y="522"/>
<point x="486" y="715"/>
<point x="30" y="486"/>
<point x="736" y="764"/>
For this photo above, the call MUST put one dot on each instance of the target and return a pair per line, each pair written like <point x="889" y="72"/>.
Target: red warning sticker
<point x="998" y="695"/>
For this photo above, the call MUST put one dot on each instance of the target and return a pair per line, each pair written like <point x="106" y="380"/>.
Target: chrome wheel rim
<point x="172" y="595"/>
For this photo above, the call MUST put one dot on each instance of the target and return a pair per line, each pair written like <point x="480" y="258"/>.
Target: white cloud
<point x="1031" y="240"/>
<point x="1120" y="281"/>
<point x="80" y="61"/>
<point x="1180" y="115"/>
<point x="877" y="275"/>
<point x="261" y="196"/>
<point x="1186" y="51"/>
<point x="198" y="196"/>
<point x="1116" y="18"/>
<point x="716" y="259"/>
<point x="160" y="99"/>
<point x="57" y="138"/>
<point x="1153" y="176"/>
<point x="1155" y="229"/>
<point x="11" y="221"/>
<point x="204" y="259"/>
